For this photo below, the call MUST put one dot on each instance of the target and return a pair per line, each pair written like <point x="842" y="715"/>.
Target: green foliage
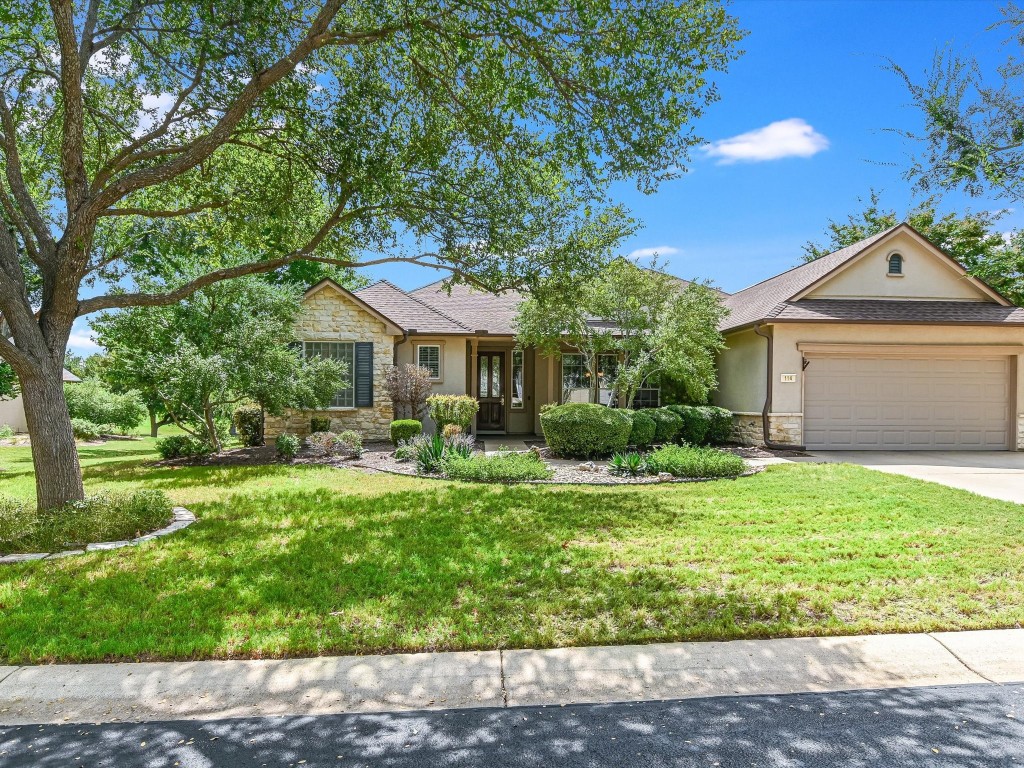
<point x="182" y="446"/>
<point x="330" y="444"/>
<point x="431" y="451"/>
<point x="106" y="517"/>
<point x="452" y="409"/>
<point x="351" y="441"/>
<point x="248" y="421"/>
<point x="287" y="446"/>
<point x="92" y="401"/>
<point x="644" y="429"/>
<point x="6" y="431"/>
<point x="403" y="429"/>
<point x="630" y="464"/>
<point x="501" y="468"/>
<point x="85" y="429"/>
<point x="320" y="424"/>
<point x="585" y="430"/>
<point x="654" y="325"/>
<point x="703" y="424"/>
<point x="667" y="423"/>
<point x="719" y="424"/>
<point x="8" y="382"/>
<point x="694" y="462"/>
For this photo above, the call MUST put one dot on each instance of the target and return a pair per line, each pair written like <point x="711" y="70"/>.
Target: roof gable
<point x="391" y="327"/>
<point x="411" y="312"/>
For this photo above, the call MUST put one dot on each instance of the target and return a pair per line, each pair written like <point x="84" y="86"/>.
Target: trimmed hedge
<point x="644" y="429"/>
<point x="452" y="409"/>
<point x="693" y="462"/>
<point x="403" y="429"/>
<point x="666" y="424"/>
<point x="703" y="424"/>
<point x="585" y="430"/>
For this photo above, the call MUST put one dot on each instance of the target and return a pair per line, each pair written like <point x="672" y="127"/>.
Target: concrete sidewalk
<point x="331" y="685"/>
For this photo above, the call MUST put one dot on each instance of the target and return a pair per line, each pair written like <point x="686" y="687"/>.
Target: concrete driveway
<point x="997" y="474"/>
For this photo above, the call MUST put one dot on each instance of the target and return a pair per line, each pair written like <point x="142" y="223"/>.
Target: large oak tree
<point x="479" y="132"/>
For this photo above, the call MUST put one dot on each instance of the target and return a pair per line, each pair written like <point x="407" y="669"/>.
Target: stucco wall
<point x="453" y="365"/>
<point x="12" y="414"/>
<point x="328" y="315"/>
<point x="741" y="373"/>
<point x="925" y="276"/>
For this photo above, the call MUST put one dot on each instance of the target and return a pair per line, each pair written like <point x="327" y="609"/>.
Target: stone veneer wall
<point x="330" y="316"/>
<point x="784" y="429"/>
<point x="1020" y="431"/>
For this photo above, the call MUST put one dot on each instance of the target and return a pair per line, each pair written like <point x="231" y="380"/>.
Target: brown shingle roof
<point x="473" y="308"/>
<point x="408" y="311"/>
<point x="882" y="311"/>
<point x="759" y="301"/>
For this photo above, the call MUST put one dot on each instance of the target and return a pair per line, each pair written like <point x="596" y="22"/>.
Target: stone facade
<point x="331" y="316"/>
<point x="784" y="429"/>
<point x="1020" y="431"/>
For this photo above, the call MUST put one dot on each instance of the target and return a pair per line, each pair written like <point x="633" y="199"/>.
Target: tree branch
<point x="16" y="180"/>
<point x="165" y="214"/>
<point x="72" y="150"/>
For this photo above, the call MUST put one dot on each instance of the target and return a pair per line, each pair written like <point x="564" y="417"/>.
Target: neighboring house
<point x="885" y="344"/>
<point x="12" y="412"/>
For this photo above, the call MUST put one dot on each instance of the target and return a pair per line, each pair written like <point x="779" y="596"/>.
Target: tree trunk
<point x="54" y="455"/>
<point x="153" y="426"/>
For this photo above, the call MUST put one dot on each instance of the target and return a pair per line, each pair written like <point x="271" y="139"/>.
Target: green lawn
<point x="298" y="560"/>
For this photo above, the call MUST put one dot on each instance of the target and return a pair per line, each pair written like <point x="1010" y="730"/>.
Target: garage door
<point x="909" y="403"/>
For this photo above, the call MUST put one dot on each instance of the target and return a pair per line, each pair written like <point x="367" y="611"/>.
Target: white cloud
<point x="154" y="108"/>
<point x="784" y="138"/>
<point x="81" y="340"/>
<point x="647" y="253"/>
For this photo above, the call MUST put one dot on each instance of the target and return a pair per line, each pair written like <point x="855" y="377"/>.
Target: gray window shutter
<point x="363" y="375"/>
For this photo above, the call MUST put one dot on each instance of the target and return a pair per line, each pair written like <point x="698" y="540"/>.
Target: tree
<point x="8" y="382"/>
<point x="224" y="344"/>
<point x="973" y="123"/>
<point x="656" y="328"/>
<point x="970" y="238"/>
<point x="467" y="135"/>
<point x="408" y="386"/>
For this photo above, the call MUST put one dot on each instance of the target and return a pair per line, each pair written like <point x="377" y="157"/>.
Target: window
<point x="575" y="379"/>
<point x="335" y="350"/>
<point x="895" y="264"/>
<point x="649" y="395"/>
<point x="429" y="356"/>
<point x="607" y="370"/>
<point x="518" y="377"/>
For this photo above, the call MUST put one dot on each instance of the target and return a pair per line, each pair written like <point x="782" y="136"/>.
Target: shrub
<point x="503" y="468"/>
<point x="105" y="517"/>
<point x="403" y="429"/>
<point x="644" y="429"/>
<point x="6" y="430"/>
<point x="666" y="424"/>
<point x="85" y="429"/>
<point x="322" y="443"/>
<point x="320" y="424"/>
<point x="583" y="430"/>
<point x="694" y="426"/>
<point x="452" y="409"/>
<point x="452" y="430"/>
<point x="632" y="464"/>
<point x="182" y="446"/>
<point x="719" y="424"/>
<point x="407" y="387"/>
<point x="91" y="401"/>
<point x="431" y="451"/>
<point x="351" y="441"/>
<point x="248" y="421"/>
<point x="287" y="445"/>
<point x="690" y="461"/>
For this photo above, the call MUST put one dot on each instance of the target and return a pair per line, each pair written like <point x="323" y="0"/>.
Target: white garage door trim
<point x="923" y="398"/>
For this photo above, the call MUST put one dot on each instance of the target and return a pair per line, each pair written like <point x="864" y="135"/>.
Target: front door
<point x="491" y="393"/>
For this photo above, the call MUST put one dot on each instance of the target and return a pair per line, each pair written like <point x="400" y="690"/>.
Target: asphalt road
<point x="972" y="725"/>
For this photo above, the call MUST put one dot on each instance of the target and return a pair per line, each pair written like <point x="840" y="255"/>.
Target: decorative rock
<point x="666" y="477"/>
<point x="24" y="558"/>
<point x="587" y="466"/>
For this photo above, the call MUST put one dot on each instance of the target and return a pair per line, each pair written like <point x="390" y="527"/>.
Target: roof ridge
<point x="422" y="303"/>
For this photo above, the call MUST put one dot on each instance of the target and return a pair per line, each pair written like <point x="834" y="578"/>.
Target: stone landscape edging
<point x="182" y="518"/>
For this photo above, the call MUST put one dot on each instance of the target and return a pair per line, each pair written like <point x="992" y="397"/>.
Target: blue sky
<point x="813" y="88"/>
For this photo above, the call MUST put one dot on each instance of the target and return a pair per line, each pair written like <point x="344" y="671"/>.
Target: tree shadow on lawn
<point x="169" y="477"/>
<point x="312" y="572"/>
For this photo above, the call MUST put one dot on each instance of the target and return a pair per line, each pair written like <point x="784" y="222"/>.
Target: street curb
<point x="181" y="518"/>
<point x="206" y="690"/>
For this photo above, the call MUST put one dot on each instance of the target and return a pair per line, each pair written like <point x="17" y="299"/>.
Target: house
<point x="12" y="412"/>
<point x="885" y="344"/>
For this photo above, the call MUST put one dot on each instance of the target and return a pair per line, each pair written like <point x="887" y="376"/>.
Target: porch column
<point x="474" y="377"/>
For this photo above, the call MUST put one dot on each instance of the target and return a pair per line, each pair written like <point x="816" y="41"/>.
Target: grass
<point x="302" y="560"/>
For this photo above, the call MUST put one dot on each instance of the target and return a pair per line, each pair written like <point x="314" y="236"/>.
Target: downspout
<point x="394" y="354"/>
<point x="766" y="411"/>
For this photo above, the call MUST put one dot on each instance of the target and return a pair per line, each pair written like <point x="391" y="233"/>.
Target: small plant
<point x="6" y="431"/>
<point x="452" y="409"/>
<point x="85" y="429"/>
<point x="451" y="431"/>
<point x="403" y="429"/>
<point x="248" y="421"/>
<point x="182" y="446"/>
<point x="320" y="424"/>
<point x="429" y="454"/>
<point x="287" y="446"/>
<point x="322" y="443"/>
<point x="405" y="450"/>
<point x="460" y="445"/>
<point x="630" y="464"/>
<point x="694" y="462"/>
<point x="502" y="468"/>
<point x="351" y="441"/>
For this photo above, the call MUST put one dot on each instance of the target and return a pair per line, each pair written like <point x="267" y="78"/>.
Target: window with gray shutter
<point x="364" y="374"/>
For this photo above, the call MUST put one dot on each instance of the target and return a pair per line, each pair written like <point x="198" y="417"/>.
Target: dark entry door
<point x="491" y="370"/>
